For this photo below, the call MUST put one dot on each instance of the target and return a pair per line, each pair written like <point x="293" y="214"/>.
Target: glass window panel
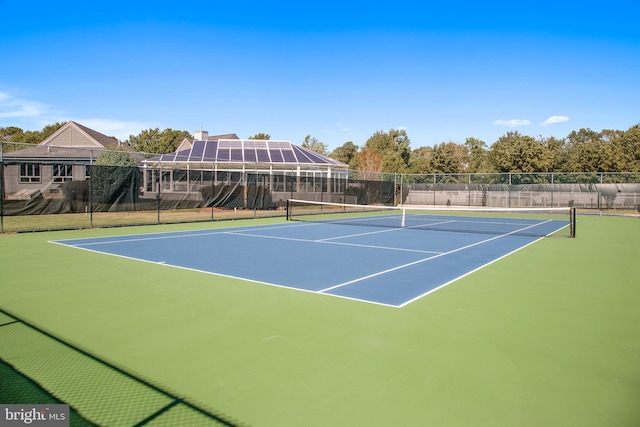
<point x="29" y="172"/>
<point x="235" y="177"/>
<point x="62" y="173"/>
<point x="225" y="143"/>
<point x="207" y="176"/>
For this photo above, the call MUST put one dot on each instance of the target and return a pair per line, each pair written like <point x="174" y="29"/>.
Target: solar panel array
<point x="248" y="151"/>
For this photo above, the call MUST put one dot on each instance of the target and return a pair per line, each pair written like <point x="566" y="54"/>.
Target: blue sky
<point x="336" y="70"/>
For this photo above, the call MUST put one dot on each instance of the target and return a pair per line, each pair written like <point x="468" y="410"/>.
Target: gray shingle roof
<point x="48" y="150"/>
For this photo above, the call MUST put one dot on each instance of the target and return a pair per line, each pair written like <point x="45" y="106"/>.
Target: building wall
<point x="46" y="185"/>
<point x="72" y="137"/>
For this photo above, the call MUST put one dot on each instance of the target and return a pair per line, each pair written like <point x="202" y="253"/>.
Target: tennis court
<point x="364" y="257"/>
<point x="235" y="323"/>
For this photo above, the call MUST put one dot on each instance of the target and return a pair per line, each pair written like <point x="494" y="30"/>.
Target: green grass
<point x="545" y="337"/>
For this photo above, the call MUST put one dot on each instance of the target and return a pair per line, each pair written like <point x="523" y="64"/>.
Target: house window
<point x="29" y="172"/>
<point x="62" y="173"/>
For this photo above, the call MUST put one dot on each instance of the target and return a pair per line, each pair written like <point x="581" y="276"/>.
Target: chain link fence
<point x="53" y="188"/>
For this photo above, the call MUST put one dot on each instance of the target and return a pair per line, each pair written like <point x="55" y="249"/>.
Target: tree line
<point x="584" y="150"/>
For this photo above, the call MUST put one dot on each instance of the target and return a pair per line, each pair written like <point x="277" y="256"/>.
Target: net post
<point x="403" y="225"/>
<point x="572" y="219"/>
<point x="288" y="209"/>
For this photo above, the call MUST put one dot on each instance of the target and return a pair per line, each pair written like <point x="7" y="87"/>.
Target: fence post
<point x="213" y="187"/>
<point x="158" y="185"/>
<point x="1" y="191"/>
<point x="434" y="189"/>
<point x="91" y="180"/>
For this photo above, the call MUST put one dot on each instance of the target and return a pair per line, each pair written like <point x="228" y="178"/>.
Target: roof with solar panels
<point x="228" y="149"/>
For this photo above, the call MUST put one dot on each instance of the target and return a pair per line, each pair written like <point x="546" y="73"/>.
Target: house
<point x="66" y="155"/>
<point x="278" y="165"/>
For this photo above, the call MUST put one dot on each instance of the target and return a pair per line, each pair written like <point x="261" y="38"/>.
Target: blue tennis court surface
<point x="388" y="266"/>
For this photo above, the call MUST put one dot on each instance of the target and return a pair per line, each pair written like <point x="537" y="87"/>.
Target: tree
<point x="627" y="148"/>
<point x="315" y="145"/>
<point x="15" y="134"/>
<point x="154" y="141"/>
<point x="477" y="152"/>
<point x="261" y="136"/>
<point x="347" y="153"/>
<point x="449" y="157"/>
<point x="370" y="161"/>
<point x="393" y="147"/>
<point x="588" y="151"/>
<point x="555" y="157"/>
<point x="420" y="160"/>
<point x="514" y="152"/>
<point x="119" y="157"/>
<point x="11" y="134"/>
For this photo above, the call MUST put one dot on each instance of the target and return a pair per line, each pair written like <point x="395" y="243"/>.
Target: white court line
<point x="162" y="235"/>
<point x="465" y="274"/>
<point x="164" y="263"/>
<point x="327" y="242"/>
<point x="380" y="273"/>
<point x="229" y="230"/>
<point x="380" y="231"/>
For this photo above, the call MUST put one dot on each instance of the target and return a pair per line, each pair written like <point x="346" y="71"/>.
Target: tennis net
<point x="536" y="222"/>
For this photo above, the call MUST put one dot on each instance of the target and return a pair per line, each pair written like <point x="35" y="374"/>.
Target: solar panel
<point x="263" y="156"/>
<point x="167" y="158"/>
<point x="249" y="154"/>
<point x="289" y="157"/>
<point x="246" y="151"/>
<point x="236" y="155"/>
<point x="301" y="155"/>
<point x="276" y="156"/>
<point x="197" y="150"/>
<point x="210" y="150"/>
<point x="223" y="154"/>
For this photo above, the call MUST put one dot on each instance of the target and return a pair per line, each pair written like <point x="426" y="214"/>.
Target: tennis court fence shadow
<point x="99" y="392"/>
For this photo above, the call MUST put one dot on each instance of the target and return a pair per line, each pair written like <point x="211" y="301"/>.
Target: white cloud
<point x="342" y="127"/>
<point x="11" y="107"/>
<point x="512" y="122"/>
<point x="33" y="115"/>
<point x="554" y="119"/>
